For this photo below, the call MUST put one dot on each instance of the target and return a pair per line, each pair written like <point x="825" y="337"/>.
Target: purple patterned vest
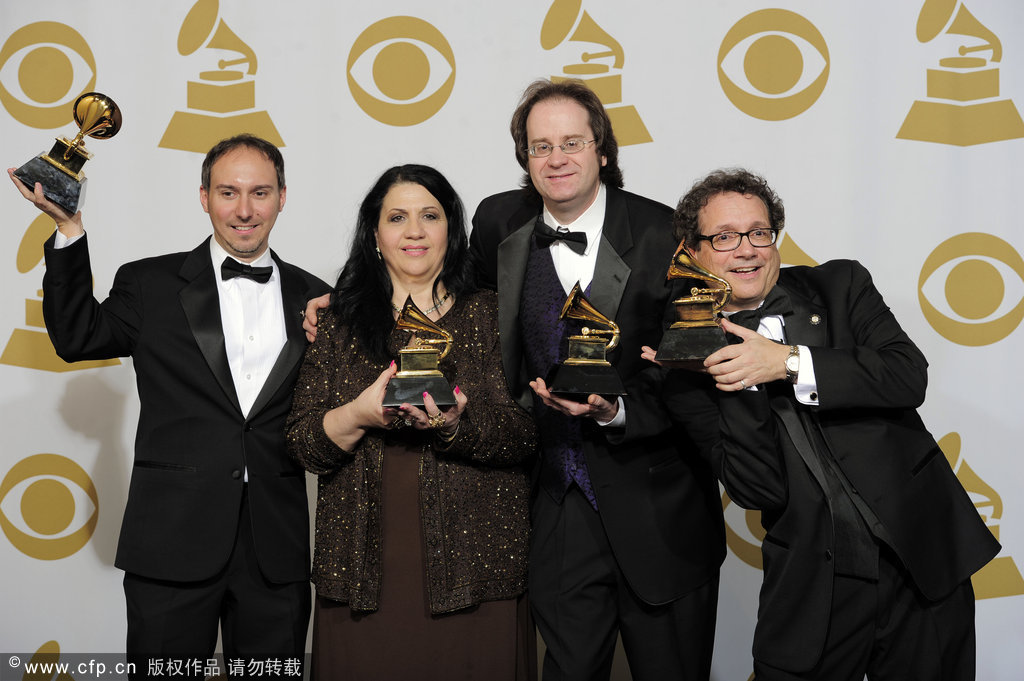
<point x="545" y="345"/>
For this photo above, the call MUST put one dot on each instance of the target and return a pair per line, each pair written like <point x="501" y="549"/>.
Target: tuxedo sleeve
<point x="875" y="364"/>
<point x="736" y="433"/>
<point x="483" y="246"/>
<point x="80" y="327"/>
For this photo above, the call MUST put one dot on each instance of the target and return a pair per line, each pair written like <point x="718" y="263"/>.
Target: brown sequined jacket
<point x="473" y="493"/>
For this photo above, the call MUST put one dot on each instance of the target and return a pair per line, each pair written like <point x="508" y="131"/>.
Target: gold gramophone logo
<point x="963" y="105"/>
<point x="48" y="506"/>
<point x="31" y="347"/>
<point x="222" y="102"/>
<point x="44" y="665"/>
<point x="773" y="64"/>
<point x="600" y="69"/>
<point x="971" y="289"/>
<point x="401" y="70"/>
<point x="44" y="67"/>
<point x="743" y="532"/>
<point x="1000" y="577"/>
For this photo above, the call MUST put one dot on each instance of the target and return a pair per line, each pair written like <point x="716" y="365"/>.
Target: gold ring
<point x="437" y="420"/>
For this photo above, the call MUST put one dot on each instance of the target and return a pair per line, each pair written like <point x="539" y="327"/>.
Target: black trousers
<point x="888" y="631"/>
<point x="178" y="621"/>
<point x="581" y="603"/>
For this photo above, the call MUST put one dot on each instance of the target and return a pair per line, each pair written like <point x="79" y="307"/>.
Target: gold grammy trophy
<point x="417" y="368"/>
<point x="586" y="371"/>
<point x="962" y="106"/>
<point x="695" y="334"/>
<point x="562" y="18"/>
<point x="60" y="169"/>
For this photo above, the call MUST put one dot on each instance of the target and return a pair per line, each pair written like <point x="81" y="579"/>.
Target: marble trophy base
<point x="579" y="381"/>
<point x="688" y="348"/>
<point x="410" y="390"/>
<point x="58" y="186"/>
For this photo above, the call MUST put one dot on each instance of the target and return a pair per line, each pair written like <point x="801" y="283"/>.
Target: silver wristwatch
<point x="793" y="363"/>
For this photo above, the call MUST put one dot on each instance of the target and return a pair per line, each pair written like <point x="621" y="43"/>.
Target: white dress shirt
<point x="572" y="266"/>
<point x="252" y="316"/>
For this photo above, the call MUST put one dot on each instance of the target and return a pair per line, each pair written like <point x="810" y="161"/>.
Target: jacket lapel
<point x="513" y="253"/>
<point x="611" y="272"/>
<point x="201" y="304"/>
<point x="806" y="325"/>
<point x="294" y="295"/>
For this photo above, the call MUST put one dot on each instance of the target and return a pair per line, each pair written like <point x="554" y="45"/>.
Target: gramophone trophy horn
<point x="934" y="20"/>
<point x="417" y="362"/>
<point x="695" y="334"/>
<point x="60" y="169"/>
<point x="586" y="371"/>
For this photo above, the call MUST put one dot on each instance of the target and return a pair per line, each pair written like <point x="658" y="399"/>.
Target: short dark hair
<point x="362" y="295"/>
<point x="685" y="226"/>
<point x="576" y="91"/>
<point x="272" y="153"/>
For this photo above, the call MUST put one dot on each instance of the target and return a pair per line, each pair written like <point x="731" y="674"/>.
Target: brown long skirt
<point x="402" y="641"/>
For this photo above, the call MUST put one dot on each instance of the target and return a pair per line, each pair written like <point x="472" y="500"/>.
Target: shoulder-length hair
<point x="362" y="295"/>
<point x="600" y="124"/>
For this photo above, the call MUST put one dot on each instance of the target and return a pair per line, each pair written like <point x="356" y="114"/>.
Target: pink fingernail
<point x="392" y="364"/>
<point x="424" y="393"/>
<point x="456" y="390"/>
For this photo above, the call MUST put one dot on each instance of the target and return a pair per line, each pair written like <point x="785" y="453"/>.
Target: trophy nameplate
<point x="586" y="371"/>
<point x="695" y="334"/>
<point x="60" y="169"/>
<point x="417" y="362"/>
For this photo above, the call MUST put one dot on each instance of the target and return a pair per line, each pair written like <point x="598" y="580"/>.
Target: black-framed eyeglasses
<point x="762" y="237"/>
<point x="573" y="146"/>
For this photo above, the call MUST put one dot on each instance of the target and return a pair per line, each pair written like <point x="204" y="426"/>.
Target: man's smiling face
<point x="752" y="272"/>
<point x="243" y="202"/>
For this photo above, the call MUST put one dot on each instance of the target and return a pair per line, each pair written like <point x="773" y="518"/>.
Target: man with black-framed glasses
<point x="871" y="540"/>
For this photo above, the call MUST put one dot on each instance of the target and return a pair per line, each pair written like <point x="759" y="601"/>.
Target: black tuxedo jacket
<point x="192" y="443"/>
<point x="658" y="501"/>
<point x="870" y="379"/>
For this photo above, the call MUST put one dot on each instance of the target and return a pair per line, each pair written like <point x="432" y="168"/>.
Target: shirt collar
<point x="591" y="222"/>
<point x="217" y="255"/>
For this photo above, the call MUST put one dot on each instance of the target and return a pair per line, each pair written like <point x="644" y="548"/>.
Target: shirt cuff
<point x="619" y="420"/>
<point x="60" y="241"/>
<point x="806" y="387"/>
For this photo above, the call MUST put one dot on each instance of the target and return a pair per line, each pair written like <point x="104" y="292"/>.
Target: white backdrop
<point x="816" y="96"/>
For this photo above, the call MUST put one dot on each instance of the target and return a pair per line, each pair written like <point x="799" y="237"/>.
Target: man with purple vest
<point x="628" y="534"/>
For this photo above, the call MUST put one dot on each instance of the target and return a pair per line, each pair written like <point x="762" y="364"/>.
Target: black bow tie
<point x="776" y="304"/>
<point x="546" y="236"/>
<point x="231" y="268"/>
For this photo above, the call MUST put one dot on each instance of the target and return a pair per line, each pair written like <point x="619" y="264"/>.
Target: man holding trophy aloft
<point x="215" y="530"/>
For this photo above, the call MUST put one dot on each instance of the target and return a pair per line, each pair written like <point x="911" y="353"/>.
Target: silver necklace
<point x="437" y="307"/>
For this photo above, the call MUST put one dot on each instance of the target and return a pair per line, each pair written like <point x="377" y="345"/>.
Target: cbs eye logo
<point x="48" y="506"/>
<point x="773" y="64"/>
<point x="44" y="67"/>
<point x="401" y="71"/>
<point x="971" y="289"/>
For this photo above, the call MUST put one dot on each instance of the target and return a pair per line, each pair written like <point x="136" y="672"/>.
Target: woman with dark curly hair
<point x="421" y="521"/>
